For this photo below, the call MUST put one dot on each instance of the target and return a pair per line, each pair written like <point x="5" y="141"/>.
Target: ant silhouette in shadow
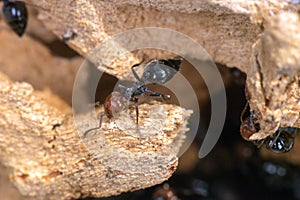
<point x="155" y="71"/>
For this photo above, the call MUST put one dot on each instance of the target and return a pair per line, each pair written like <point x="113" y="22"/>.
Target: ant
<point x="280" y="142"/>
<point x="249" y="126"/>
<point x="155" y="71"/>
<point x="15" y="15"/>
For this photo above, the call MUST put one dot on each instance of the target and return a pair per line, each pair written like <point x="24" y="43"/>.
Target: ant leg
<point x="157" y="95"/>
<point x="275" y="139"/>
<point x="98" y="127"/>
<point x="259" y="143"/>
<point x="244" y="110"/>
<point x="135" y="73"/>
<point x="136" y="109"/>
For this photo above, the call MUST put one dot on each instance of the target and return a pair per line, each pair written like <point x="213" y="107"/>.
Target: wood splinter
<point x="48" y="160"/>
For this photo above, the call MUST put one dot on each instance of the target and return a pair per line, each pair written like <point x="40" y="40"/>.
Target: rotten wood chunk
<point x="48" y="160"/>
<point x="224" y="29"/>
<point x="273" y="79"/>
<point x="227" y="30"/>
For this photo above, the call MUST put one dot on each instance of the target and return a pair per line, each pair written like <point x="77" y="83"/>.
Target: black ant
<point x="280" y="142"/>
<point x="15" y="15"/>
<point x="155" y="71"/>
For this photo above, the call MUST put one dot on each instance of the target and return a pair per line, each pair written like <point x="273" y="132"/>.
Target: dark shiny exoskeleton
<point x="282" y="140"/>
<point x="15" y="15"/>
<point x="155" y="71"/>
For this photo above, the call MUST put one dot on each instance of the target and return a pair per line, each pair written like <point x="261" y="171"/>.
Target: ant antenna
<point x="259" y="143"/>
<point x="157" y="95"/>
<point x="275" y="139"/>
<point x="96" y="128"/>
<point x="244" y="110"/>
<point x="136" y="76"/>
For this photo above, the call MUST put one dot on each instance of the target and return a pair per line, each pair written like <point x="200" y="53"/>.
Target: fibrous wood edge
<point x="273" y="81"/>
<point x="225" y="32"/>
<point x="226" y="29"/>
<point x="49" y="160"/>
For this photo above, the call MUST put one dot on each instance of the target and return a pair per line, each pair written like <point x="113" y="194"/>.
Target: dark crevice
<point x="267" y="101"/>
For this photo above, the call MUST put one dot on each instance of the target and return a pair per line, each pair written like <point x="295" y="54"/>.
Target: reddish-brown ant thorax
<point x="114" y="103"/>
<point x="248" y="128"/>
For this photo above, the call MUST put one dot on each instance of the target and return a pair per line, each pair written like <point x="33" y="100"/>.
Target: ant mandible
<point x="155" y="71"/>
<point x="15" y="15"/>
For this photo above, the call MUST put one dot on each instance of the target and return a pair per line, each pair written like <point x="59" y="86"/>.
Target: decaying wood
<point x="48" y="159"/>
<point x="226" y="33"/>
<point x="255" y="36"/>
<point x="21" y="60"/>
<point x="273" y="80"/>
<point x="226" y="29"/>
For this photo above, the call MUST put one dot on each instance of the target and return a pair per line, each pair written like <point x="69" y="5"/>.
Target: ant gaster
<point x="15" y="15"/>
<point x="280" y="142"/>
<point x="155" y="71"/>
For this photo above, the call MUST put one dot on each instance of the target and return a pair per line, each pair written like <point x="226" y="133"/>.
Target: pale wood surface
<point x="259" y="37"/>
<point x="50" y="161"/>
<point x="227" y="30"/>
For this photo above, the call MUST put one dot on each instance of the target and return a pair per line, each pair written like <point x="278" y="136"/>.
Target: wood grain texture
<point x="273" y="80"/>
<point x="48" y="159"/>
<point x="227" y="30"/>
<point x="226" y="35"/>
<point x="259" y="37"/>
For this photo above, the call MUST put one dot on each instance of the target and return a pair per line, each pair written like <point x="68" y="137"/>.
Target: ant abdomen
<point x="282" y="141"/>
<point x="15" y="15"/>
<point x="161" y="71"/>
